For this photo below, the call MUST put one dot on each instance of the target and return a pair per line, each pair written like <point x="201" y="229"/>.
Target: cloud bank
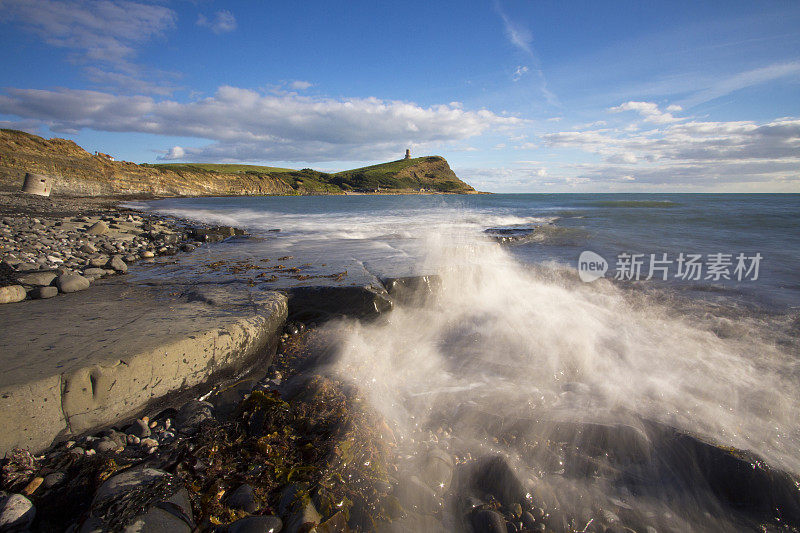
<point x="246" y="125"/>
<point x="682" y="152"/>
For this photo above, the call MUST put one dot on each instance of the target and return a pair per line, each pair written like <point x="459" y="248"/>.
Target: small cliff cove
<point x="76" y="172"/>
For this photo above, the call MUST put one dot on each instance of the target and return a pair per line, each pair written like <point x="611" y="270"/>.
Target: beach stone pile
<point x="42" y="257"/>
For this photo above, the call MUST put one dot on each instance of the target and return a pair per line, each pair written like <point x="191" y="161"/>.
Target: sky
<point x="518" y="95"/>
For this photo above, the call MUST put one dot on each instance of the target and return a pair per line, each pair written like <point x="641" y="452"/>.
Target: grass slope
<point x="223" y="168"/>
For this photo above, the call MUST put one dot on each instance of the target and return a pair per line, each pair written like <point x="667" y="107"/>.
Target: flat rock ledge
<point x="98" y="357"/>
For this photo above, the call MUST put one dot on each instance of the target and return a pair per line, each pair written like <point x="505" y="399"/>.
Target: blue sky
<point x="519" y="96"/>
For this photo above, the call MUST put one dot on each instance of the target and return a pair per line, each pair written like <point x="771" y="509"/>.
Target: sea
<point x="682" y="309"/>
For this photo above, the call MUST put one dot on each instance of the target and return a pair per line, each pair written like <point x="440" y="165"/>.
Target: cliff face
<point x="79" y="173"/>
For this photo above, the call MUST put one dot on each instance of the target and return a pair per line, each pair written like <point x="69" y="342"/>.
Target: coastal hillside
<point x="421" y="173"/>
<point x="76" y="172"/>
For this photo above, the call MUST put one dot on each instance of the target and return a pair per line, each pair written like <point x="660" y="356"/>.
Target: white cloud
<point x="223" y="22"/>
<point x="300" y="85"/>
<point x="692" y="154"/>
<point x="246" y="125"/>
<point x="176" y="152"/>
<point x="101" y="35"/>
<point x="519" y="72"/>
<point x="97" y="30"/>
<point x="649" y="111"/>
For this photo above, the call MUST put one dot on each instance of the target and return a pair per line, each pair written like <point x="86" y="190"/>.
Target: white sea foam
<point x="524" y="342"/>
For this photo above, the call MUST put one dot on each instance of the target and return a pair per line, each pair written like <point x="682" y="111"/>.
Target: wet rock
<point x="16" y="512"/>
<point x="493" y="475"/>
<point x="256" y="524"/>
<point x="415" y="495"/>
<point x="243" y="498"/>
<point x="12" y="293"/>
<point x="303" y="519"/>
<point x="188" y="247"/>
<point x="192" y="414"/>
<point x="486" y="521"/>
<point x="437" y="469"/>
<point x="72" y="283"/>
<point x="141" y="499"/>
<point x="412" y="290"/>
<point x="528" y="521"/>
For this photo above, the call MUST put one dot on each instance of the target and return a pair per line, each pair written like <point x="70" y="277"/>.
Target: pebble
<point x="31" y="487"/>
<point x="54" y="479"/>
<point x="105" y="446"/>
<point x="148" y="443"/>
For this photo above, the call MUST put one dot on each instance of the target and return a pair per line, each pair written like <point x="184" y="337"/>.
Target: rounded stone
<point x="243" y="498"/>
<point x="12" y="293"/>
<point x="72" y="283"/>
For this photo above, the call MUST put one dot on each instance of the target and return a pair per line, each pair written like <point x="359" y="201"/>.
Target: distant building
<point x="37" y="184"/>
<point x="408" y="154"/>
<point x="104" y="156"/>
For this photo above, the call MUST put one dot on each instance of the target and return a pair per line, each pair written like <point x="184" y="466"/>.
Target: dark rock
<point x="42" y="293"/>
<point x="320" y="303"/>
<point x="139" y="428"/>
<point x="243" y="498"/>
<point x="192" y="414"/>
<point x="256" y="524"/>
<point x="528" y="521"/>
<point x="494" y="476"/>
<point x="141" y="499"/>
<point x="412" y="290"/>
<point x="486" y="521"/>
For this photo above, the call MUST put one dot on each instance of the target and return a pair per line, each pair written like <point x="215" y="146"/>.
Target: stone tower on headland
<point x="408" y="154"/>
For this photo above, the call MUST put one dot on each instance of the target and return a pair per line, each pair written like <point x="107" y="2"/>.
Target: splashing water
<point x="501" y="343"/>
